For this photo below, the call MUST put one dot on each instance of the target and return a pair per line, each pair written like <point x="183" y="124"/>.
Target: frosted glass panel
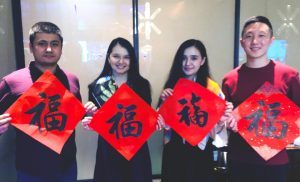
<point x="285" y="18"/>
<point x="7" y="49"/>
<point x="8" y="64"/>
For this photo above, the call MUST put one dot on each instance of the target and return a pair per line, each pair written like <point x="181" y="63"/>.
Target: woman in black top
<point x="120" y="67"/>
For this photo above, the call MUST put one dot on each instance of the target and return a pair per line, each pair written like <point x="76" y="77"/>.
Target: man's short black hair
<point x="260" y="19"/>
<point x="44" y="27"/>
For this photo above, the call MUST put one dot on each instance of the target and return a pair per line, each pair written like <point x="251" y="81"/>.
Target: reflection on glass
<point x="277" y="51"/>
<point x="147" y="21"/>
<point x="285" y="18"/>
<point x="288" y="18"/>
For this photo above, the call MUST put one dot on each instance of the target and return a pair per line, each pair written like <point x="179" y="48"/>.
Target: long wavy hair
<point x="176" y="71"/>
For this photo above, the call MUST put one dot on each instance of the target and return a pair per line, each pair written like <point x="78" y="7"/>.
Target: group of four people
<point x="181" y="161"/>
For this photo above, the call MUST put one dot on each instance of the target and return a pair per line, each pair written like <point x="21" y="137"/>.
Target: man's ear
<point x="272" y="39"/>
<point x="241" y="42"/>
<point x="30" y="47"/>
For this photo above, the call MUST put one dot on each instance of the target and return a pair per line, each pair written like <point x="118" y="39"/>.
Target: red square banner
<point x="268" y="121"/>
<point x="192" y="111"/>
<point x="125" y="121"/>
<point x="47" y="112"/>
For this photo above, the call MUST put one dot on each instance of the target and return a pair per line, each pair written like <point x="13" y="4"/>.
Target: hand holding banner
<point x="192" y="111"/>
<point x="47" y="112"/>
<point x="125" y="121"/>
<point x="268" y="121"/>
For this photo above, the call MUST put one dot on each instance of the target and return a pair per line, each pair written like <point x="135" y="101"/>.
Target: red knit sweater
<point x="240" y="83"/>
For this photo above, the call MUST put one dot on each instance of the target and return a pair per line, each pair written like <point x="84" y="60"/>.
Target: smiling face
<point x="191" y="63"/>
<point x="256" y="40"/>
<point x="46" y="49"/>
<point x="119" y="60"/>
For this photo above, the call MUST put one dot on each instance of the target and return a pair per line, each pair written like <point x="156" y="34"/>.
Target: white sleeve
<point x="220" y="136"/>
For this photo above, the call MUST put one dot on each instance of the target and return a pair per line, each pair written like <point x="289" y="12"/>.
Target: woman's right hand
<point x="160" y="123"/>
<point x="86" y="122"/>
<point x="228" y="119"/>
<point x="232" y="124"/>
<point x="90" y="108"/>
<point x="4" y="122"/>
<point x="166" y="93"/>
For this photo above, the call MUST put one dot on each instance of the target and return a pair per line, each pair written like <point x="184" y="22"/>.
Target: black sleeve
<point x="143" y="89"/>
<point x="147" y="96"/>
<point x="6" y="98"/>
<point x="91" y="97"/>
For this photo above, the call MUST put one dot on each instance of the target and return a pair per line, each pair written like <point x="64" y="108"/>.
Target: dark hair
<point x="133" y="71"/>
<point x="44" y="27"/>
<point x="260" y="19"/>
<point x="139" y="84"/>
<point x="176" y="71"/>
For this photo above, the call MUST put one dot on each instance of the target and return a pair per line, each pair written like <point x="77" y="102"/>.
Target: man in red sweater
<point x="244" y="163"/>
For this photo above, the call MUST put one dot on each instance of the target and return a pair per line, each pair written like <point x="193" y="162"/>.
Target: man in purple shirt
<point x="34" y="161"/>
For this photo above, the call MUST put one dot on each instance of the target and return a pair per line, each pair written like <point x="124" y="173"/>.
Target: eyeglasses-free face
<point x="46" y="49"/>
<point x="119" y="60"/>
<point x="191" y="63"/>
<point x="256" y="41"/>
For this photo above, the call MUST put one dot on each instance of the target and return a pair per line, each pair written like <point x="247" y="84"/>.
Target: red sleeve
<point x="295" y="89"/>
<point x="225" y="90"/>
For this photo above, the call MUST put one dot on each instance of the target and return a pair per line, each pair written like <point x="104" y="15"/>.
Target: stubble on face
<point x="46" y="50"/>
